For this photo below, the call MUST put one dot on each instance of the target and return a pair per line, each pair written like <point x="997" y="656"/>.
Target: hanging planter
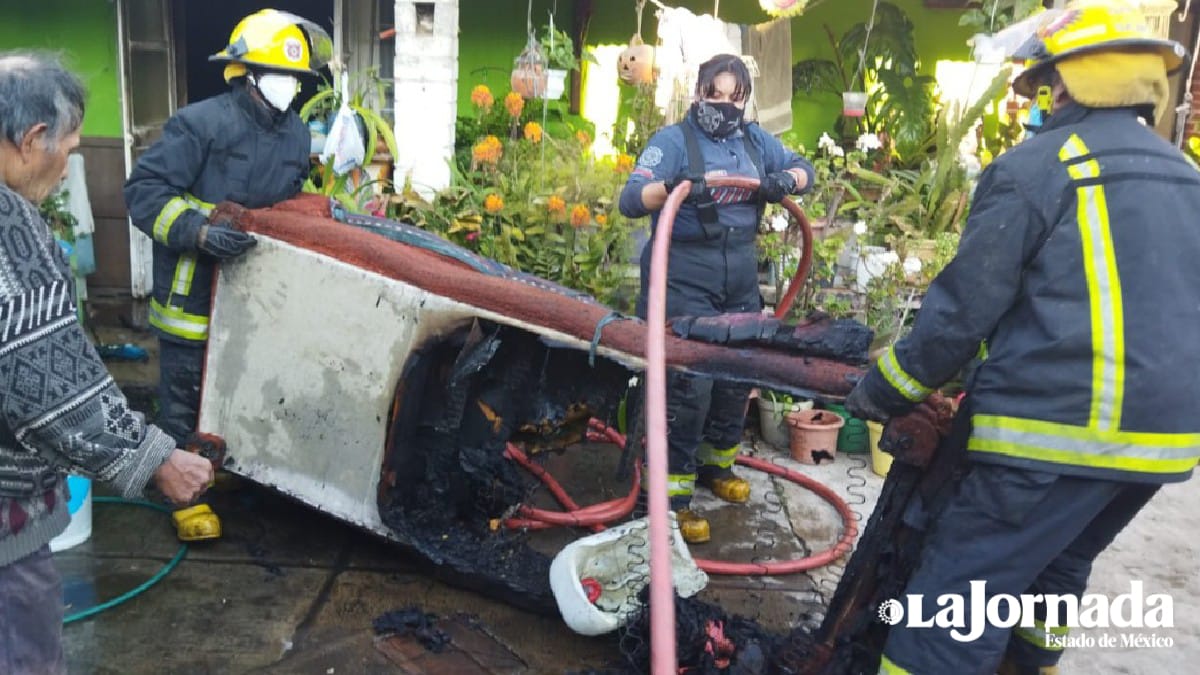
<point x="783" y="8"/>
<point x="556" y="84"/>
<point x="635" y="65"/>
<point x="854" y="103"/>
<point x="529" y="77"/>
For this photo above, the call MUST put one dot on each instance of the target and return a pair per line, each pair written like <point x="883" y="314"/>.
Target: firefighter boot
<point x="692" y="526"/>
<point x="716" y="474"/>
<point x="196" y="523"/>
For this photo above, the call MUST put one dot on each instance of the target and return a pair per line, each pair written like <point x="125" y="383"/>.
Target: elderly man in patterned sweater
<point x="59" y="409"/>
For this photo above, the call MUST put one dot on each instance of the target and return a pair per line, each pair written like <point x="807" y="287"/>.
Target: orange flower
<point x="493" y="203"/>
<point x="487" y="151"/>
<point x="533" y="132"/>
<point x="583" y="138"/>
<point x="580" y="215"/>
<point x="602" y="219"/>
<point x="514" y="104"/>
<point x="624" y="163"/>
<point x="482" y="97"/>
<point x="556" y="206"/>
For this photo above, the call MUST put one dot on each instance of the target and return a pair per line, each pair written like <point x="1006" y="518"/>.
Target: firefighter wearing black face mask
<point x="713" y="266"/>
<point x="245" y="146"/>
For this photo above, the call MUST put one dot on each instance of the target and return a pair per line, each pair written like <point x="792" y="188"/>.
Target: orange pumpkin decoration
<point x="635" y="65"/>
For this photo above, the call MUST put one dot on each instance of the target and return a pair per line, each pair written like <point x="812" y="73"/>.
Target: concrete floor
<point x="290" y="590"/>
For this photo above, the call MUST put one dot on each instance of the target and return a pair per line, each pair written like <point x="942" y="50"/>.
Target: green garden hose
<point x="166" y="569"/>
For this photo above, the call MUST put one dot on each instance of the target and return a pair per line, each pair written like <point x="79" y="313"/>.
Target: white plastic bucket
<point x="79" y="506"/>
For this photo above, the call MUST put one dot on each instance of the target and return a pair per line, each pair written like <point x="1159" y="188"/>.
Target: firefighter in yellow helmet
<point x="1077" y="272"/>
<point x="247" y="146"/>
<point x="1105" y="55"/>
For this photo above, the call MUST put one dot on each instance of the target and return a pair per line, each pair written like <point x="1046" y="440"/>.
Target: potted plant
<point x="529" y="78"/>
<point x="813" y="435"/>
<point x="773" y="407"/>
<point x="875" y="72"/>
<point x="364" y="92"/>
<point x="559" y="49"/>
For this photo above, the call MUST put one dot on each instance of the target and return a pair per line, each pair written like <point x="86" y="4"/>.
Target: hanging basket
<point x="854" y="103"/>
<point x="783" y="8"/>
<point x="529" y="72"/>
<point x="635" y="65"/>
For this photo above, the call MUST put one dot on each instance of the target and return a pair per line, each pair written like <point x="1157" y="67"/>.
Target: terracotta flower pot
<point x="813" y="435"/>
<point x="772" y="425"/>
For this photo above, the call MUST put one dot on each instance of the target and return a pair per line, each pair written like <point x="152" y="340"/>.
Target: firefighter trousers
<point x="180" y="367"/>
<point x="1020" y="531"/>
<point x="699" y="410"/>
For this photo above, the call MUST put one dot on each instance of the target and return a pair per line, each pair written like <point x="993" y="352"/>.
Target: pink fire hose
<point x="662" y="591"/>
<point x="662" y="605"/>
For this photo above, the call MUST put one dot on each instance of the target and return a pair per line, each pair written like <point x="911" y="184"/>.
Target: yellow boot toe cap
<point x="735" y="490"/>
<point x="692" y="527"/>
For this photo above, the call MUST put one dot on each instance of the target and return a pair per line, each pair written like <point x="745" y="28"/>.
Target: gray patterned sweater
<point x="59" y="409"/>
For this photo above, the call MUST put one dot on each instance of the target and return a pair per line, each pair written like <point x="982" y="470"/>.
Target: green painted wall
<point x="84" y="32"/>
<point x="491" y="38"/>
<point x="492" y="34"/>
<point x="938" y="37"/>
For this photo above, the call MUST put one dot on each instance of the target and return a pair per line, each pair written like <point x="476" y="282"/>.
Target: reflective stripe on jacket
<point x="1078" y="267"/>
<point x="225" y="148"/>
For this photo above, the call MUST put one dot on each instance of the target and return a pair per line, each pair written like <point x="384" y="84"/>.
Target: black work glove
<point x="860" y="405"/>
<point x="776" y="186"/>
<point x="873" y="398"/>
<point x="223" y="242"/>
<point x="698" y="186"/>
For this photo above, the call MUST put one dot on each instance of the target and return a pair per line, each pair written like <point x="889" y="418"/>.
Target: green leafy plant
<point x="889" y="301"/>
<point x="778" y="398"/>
<point x="945" y="247"/>
<point x="880" y="59"/>
<point x="638" y="118"/>
<point x="559" y="49"/>
<point x="998" y="14"/>
<point x="54" y="211"/>
<point x="934" y="198"/>
<point x="366" y="97"/>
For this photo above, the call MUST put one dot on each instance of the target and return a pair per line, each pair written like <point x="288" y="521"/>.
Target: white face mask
<point x="279" y="90"/>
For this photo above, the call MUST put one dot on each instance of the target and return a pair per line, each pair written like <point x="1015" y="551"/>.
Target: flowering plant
<point x="835" y="191"/>
<point x="534" y="201"/>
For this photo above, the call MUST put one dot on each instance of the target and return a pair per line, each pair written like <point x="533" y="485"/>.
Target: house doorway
<point x="164" y="47"/>
<point x="204" y="28"/>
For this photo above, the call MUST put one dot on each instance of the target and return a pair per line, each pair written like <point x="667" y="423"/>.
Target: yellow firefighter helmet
<point x="1086" y="26"/>
<point x="275" y="40"/>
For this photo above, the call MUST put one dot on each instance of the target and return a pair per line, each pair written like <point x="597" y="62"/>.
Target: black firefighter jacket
<point x="1078" y="273"/>
<point x="225" y="148"/>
